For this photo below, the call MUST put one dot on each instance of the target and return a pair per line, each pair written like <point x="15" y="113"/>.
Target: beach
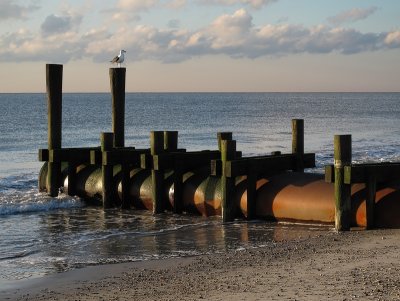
<point x="356" y="265"/>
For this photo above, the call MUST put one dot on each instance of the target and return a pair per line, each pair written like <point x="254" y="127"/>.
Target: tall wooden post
<point x="125" y="185"/>
<point x="171" y="145"/>
<point x="117" y="83"/>
<point x="170" y="141"/>
<point x="72" y="166"/>
<point x="107" y="171"/>
<point x="54" y="75"/>
<point x="178" y="187"/>
<point x="370" y="201"/>
<point x="228" y="152"/>
<point x="251" y="193"/>
<point x="157" y="176"/>
<point x="223" y="136"/>
<point x="342" y="158"/>
<point x="298" y="143"/>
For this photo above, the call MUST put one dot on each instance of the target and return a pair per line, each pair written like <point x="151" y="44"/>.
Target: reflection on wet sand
<point x="89" y="236"/>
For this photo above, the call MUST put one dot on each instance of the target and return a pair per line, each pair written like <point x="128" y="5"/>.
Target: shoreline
<point x="356" y="265"/>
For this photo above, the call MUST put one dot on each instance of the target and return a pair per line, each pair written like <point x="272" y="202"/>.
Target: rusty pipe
<point x="288" y="196"/>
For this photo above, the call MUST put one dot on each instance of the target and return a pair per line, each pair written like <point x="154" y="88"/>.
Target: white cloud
<point x="253" y="3"/>
<point x="136" y="5"/>
<point x="393" y="39"/>
<point x="230" y="30"/>
<point x="233" y="35"/>
<point x="352" y="15"/>
<point x="11" y="10"/>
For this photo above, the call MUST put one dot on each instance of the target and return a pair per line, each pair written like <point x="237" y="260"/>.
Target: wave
<point x="39" y="206"/>
<point x="143" y="233"/>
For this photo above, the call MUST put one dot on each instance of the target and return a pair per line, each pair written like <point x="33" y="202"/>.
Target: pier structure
<point x="215" y="182"/>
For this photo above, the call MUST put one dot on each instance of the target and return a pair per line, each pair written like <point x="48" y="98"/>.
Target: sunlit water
<point x="41" y="235"/>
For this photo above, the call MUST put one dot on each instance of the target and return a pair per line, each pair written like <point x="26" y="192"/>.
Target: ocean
<point x="40" y="235"/>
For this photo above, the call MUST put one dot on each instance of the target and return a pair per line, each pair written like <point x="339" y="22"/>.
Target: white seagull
<point x="119" y="58"/>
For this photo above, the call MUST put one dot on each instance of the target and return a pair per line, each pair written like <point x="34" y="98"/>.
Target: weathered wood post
<point x="178" y="187"/>
<point x="107" y="171"/>
<point x="72" y="178"/>
<point x="228" y="152"/>
<point x="370" y="201"/>
<point x="298" y="143"/>
<point x="251" y="193"/>
<point x="117" y="84"/>
<point x="54" y="75"/>
<point x="342" y="158"/>
<point x="223" y="136"/>
<point x="171" y="145"/>
<point x="157" y="175"/>
<point x="170" y="141"/>
<point x="125" y="181"/>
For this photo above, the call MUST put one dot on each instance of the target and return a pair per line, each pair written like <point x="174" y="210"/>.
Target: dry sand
<point x="358" y="265"/>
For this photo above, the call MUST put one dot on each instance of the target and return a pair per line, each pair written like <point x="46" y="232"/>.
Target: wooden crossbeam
<point x="329" y="173"/>
<point x="261" y="164"/>
<point x="189" y="160"/>
<point x="360" y="173"/>
<point x="115" y="156"/>
<point x="81" y="154"/>
<point x="43" y="155"/>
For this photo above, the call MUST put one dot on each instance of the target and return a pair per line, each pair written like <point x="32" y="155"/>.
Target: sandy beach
<point x="358" y="265"/>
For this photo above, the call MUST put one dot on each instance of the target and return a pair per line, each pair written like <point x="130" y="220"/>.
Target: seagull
<point x="119" y="58"/>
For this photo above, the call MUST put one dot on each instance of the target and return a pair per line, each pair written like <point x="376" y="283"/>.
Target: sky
<point x="203" y="45"/>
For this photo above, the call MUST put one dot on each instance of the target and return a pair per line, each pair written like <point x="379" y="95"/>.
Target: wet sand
<point x="358" y="265"/>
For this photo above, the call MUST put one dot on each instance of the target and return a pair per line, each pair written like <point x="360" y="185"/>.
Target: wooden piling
<point x="117" y="84"/>
<point x="170" y="141"/>
<point x="171" y="145"/>
<point x="107" y="171"/>
<point x="342" y="158"/>
<point x="72" y="178"/>
<point x="228" y="152"/>
<point x="178" y="187"/>
<point x="223" y="136"/>
<point x="54" y="75"/>
<point x="370" y="201"/>
<point x="125" y="185"/>
<point x="251" y="194"/>
<point x="157" y="176"/>
<point x="298" y="143"/>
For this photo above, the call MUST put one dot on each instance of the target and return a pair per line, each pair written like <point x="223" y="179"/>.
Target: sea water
<point x="41" y="235"/>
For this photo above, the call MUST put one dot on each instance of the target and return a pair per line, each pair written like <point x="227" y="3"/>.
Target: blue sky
<point x="203" y="45"/>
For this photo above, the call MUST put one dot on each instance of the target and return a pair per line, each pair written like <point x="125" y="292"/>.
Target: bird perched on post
<point x="119" y="58"/>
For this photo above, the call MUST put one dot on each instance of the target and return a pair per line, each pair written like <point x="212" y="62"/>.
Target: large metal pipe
<point x="293" y="196"/>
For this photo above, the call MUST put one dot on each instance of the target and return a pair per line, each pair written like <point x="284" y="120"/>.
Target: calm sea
<point x="40" y="235"/>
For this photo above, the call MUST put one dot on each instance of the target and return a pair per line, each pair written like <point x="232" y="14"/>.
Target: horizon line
<point x="205" y="92"/>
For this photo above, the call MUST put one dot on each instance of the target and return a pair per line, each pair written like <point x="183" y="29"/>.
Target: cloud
<point x="352" y="15"/>
<point x="10" y="10"/>
<point x="234" y="35"/>
<point x="393" y="39"/>
<point x="130" y="10"/>
<point x="176" y="4"/>
<point x="136" y="5"/>
<point x="54" y="24"/>
<point x="174" y="23"/>
<point x="253" y="3"/>
<point x="230" y="30"/>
